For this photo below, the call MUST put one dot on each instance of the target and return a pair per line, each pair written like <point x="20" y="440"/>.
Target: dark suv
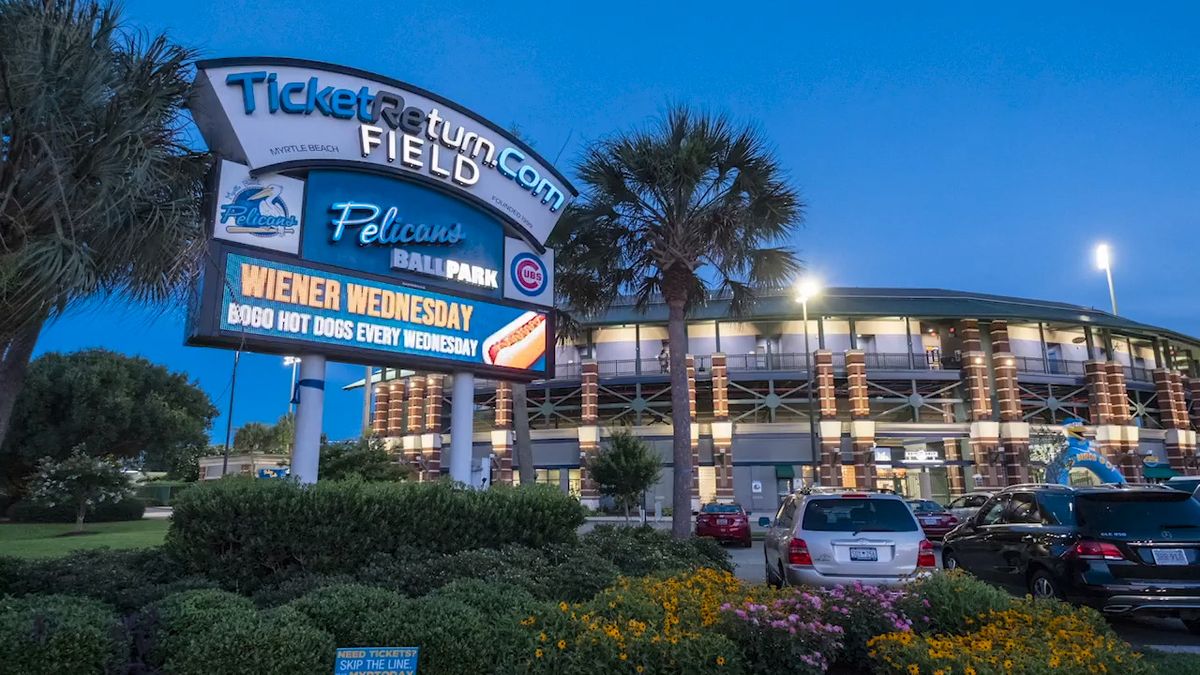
<point x="1122" y="549"/>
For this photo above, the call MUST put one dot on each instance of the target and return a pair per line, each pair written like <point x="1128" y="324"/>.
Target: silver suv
<point x="831" y="538"/>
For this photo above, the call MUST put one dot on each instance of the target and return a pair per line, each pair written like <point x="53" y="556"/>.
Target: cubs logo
<point x="260" y="210"/>
<point x="529" y="274"/>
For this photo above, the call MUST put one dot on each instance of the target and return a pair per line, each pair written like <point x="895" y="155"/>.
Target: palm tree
<point x="99" y="195"/>
<point x="690" y="206"/>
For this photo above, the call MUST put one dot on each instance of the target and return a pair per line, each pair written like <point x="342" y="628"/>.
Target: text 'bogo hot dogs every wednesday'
<point x="518" y="344"/>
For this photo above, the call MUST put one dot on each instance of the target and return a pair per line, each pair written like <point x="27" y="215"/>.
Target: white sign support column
<point x="307" y="446"/>
<point x="462" y="415"/>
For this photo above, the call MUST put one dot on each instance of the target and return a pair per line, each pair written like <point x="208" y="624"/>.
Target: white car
<point x="968" y="505"/>
<point x="824" y="539"/>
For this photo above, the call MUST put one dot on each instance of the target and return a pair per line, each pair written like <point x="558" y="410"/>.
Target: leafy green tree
<point x="269" y="439"/>
<point x="366" y="458"/>
<point x="123" y="406"/>
<point x="625" y="468"/>
<point x="80" y="480"/>
<point x="691" y="206"/>
<point x="99" y="194"/>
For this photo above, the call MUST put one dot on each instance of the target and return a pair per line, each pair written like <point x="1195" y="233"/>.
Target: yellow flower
<point x="913" y="669"/>
<point x="1008" y="664"/>
<point x="624" y="656"/>
<point x="538" y="653"/>
<point x="720" y="660"/>
<point x="528" y="622"/>
<point x="969" y="671"/>
<point x="640" y="669"/>
<point x="562" y="644"/>
<point x="939" y="671"/>
<point x="563" y="606"/>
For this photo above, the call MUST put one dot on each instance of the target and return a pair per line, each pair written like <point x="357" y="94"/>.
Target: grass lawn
<point x="43" y="540"/>
<point x="1174" y="664"/>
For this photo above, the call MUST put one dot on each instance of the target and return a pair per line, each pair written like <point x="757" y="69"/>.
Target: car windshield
<point x="858" y="515"/>
<point x="925" y="506"/>
<point x="721" y="508"/>
<point x="1140" y="515"/>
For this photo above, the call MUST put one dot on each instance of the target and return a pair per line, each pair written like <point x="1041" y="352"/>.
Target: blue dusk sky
<point x="983" y="147"/>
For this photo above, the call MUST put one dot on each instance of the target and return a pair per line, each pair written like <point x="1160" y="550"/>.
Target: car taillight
<point x="798" y="553"/>
<point x="925" y="557"/>
<point x="951" y="520"/>
<point x="1096" y="550"/>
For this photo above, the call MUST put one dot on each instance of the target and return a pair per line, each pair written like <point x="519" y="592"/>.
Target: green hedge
<point x="127" y="580"/>
<point x="28" y="511"/>
<point x="55" y="634"/>
<point x="243" y="531"/>
<point x="161" y="492"/>
<point x="206" y="631"/>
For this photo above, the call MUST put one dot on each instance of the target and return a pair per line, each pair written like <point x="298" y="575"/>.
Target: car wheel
<point x="1193" y="626"/>
<point x="748" y="543"/>
<point x="949" y="560"/>
<point x="783" y="580"/>
<point x="772" y="580"/>
<point x="1042" y="586"/>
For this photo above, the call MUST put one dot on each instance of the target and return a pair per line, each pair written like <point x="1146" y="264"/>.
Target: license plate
<point x="863" y="554"/>
<point x="929" y="521"/>
<point x="1169" y="556"/>
<point x="722" y="521"/>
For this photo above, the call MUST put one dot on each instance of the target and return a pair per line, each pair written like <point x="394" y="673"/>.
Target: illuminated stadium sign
<point x="373" y="222"/>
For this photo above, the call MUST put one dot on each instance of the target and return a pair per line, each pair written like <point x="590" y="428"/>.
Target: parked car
<point x="724" y="522"/>
<point x="824" y="539"/>
<point x="967" y="505"/>
<point x="1124" y="550"/>
<point x="1189" y="484"/>
<point x="933" y="517"/>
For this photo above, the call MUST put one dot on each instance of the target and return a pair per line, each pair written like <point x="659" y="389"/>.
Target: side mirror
<point x="695" y="513"/>
<point x="764" y="521"/>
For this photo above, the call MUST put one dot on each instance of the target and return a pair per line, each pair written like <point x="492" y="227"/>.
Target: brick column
<point x="395" y="411"/>
<point x="1125" y="437"/>
<point x="722" y="429"/>
<point x="831" y="428"/>
<point x="1096" y="379"/>
<point x="862" y="431"/>
<point x="1194" y="389"/>
<point x="1176" y="442"/>
<point x="954" y="472"/>
<point x="1014" y="432"/>
<point x="502" y="434"/>
<point x="416" y="424"/>
<point x="1181" y="417"/>
<point x="379" y="413"/>
<point x="589" y="431"/>
<point x="988" y="469"/>
<point x="431" y="440"/>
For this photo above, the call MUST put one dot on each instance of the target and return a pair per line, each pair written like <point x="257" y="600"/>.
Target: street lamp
<point x="294" y="362"/>
<point x="807" y="289"/>
<point x="1104" y="262"/>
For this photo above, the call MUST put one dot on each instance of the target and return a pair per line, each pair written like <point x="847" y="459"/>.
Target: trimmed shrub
<point x="638" y="551"/>
<point x="495" y="600"/>
<point x="949" y="601"/>
<point x="56" y="634"/>
<point x="1030" y="637"/>
<point x="127" y="580"/>
<point x="453" y="637"/>
<point x="29" y="511"/>
<point x="203" y="632"/>
<point x="242" y="531"/>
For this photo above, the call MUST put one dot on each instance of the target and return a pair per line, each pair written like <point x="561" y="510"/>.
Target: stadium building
<point x="924" y="391"/>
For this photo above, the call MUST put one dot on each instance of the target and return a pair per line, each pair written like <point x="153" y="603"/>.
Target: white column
<point x="307" y="446"/>
<point x="462" y="414"/>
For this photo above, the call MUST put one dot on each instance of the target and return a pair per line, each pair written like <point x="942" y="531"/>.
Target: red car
<point x="935" y="520"/>
<point x="724" y="522"/>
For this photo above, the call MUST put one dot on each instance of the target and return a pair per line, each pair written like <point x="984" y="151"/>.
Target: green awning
<point x="1159" y="472"/>
<point x="785" y="471"/>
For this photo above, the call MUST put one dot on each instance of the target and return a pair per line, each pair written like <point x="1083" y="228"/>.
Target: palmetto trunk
<point x="681" y="421"/>
<point x="14" y="362"/>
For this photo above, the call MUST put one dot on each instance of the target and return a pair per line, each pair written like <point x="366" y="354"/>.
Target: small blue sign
<point x="385" y="225"/>
<point x="274" y="472"/>
<point x="376" y="660"/>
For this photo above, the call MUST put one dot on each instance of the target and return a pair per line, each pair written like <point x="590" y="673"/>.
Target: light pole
<point x="1104" y="262"/>
<point x="807" y="289"/>
<point x="294" y="362"/>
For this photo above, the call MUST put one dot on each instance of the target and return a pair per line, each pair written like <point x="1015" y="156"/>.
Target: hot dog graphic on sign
<point x="519" y="344"/>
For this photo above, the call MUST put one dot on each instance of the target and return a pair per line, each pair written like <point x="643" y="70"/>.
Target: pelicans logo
<point x="257" y="209"/>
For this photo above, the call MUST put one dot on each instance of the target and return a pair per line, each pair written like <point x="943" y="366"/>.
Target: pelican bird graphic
<point x="260" y="210"/>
